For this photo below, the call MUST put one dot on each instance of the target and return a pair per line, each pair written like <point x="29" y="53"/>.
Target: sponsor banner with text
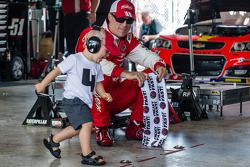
<point x="156" y="115"/>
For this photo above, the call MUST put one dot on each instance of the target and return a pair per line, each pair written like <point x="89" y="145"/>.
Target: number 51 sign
<point x="16" y="27"/>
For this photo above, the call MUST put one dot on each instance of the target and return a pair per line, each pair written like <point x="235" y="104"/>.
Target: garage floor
<point x="208" y="143"/>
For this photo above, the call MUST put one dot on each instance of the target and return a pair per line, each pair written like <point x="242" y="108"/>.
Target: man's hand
<point x="139" y="76"/>
<point x="162" y="72"/>
<point x="145" y="38"/>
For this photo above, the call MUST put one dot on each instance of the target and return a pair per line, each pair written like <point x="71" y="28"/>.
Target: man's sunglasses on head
<point x="122" y="20"/>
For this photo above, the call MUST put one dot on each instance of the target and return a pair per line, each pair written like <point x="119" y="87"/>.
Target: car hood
<point x="214" y="38"/>
<point x="210" y="9"/>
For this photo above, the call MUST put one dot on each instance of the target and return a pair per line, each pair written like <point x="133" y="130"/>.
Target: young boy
<point x="84" y="75"/>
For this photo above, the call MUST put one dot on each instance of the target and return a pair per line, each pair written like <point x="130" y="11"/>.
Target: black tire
<point x="16" y="69"/>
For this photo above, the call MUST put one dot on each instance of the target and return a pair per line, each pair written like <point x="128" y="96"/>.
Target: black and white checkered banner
<point x="156" y="115"/>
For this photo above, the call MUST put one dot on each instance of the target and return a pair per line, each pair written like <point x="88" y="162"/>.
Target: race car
<point x="221" y="52"/>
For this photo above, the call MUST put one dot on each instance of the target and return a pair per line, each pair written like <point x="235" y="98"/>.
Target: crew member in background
<point x="124" y="86"/>
<point x="78" y="15"/>
<point x="150" y="29"/>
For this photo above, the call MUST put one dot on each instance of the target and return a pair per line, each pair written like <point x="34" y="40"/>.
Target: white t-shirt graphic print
<point x="82" y="74"/>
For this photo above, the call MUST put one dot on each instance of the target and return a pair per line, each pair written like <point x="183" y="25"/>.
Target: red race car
<point x="221" y="47"/>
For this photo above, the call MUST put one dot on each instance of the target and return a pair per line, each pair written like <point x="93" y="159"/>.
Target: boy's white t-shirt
<point x="82" y="74"/>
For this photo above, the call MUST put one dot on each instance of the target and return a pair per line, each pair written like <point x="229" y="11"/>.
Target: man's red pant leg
<point x="125" y="95"/>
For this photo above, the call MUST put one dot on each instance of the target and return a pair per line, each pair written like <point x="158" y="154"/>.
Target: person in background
<point x="124" y="86"/>
<point x="84" y="76"/>
<point x="149" y="30"/>
<point x="78" y="15"/>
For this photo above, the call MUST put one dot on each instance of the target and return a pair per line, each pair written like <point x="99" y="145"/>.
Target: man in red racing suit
<point x="124" y="86"/>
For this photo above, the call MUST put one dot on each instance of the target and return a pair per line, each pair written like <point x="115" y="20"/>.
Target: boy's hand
<point x="39" y="88"/>
<point x="107" y="97"/>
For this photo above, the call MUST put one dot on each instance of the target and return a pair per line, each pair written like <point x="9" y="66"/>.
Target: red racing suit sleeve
<point x="134" y="52"/>
<point x="145" y="57"/>
<point x="111" y="69"/>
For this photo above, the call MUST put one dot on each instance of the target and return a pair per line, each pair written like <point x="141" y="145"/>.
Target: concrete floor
<point x="208" y="143"/>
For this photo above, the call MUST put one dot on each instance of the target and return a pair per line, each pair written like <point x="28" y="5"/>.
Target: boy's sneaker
<point x="134" y="131"/>
<point x="102" y="136"/>
<point x="52" y="147"/>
